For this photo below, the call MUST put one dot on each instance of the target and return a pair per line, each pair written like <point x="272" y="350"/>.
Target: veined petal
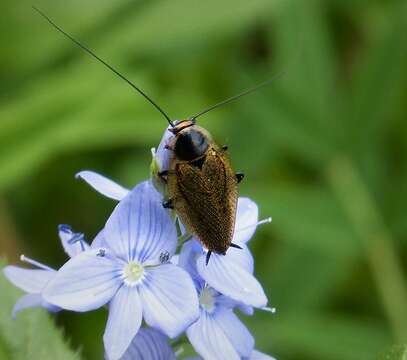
<point x="209" y="339"/>
<point x="85" y="282"/>
<point x="235" y="331"/>
<point x="257" y="355"/>
<point x="31" y="281"/>
<point x="99" y="241"/>
<point x="103" y="185"/>
<point x="140" y="228"/>
<point x="190" y="252"/>
<point x="73" y="243"/>
<point x="32" y="300"/>
<point x="149" y="344"/>
<point x="247" y="216"/>
<point x="232" y="279"/>
<point x="170" y="302"/>
<point x="27" y="301"/>
<point x="125" y="315"/>
<point x="241" y="257"/>
<point x="163" y="155"/>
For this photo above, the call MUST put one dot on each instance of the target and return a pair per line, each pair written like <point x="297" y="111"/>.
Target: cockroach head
<point x="180" y="125"/>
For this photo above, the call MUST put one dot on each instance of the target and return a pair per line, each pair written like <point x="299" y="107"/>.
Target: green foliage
<point x="32" y="335"/>
<point x="324" y="148"/>
<point x="397" y="352"/>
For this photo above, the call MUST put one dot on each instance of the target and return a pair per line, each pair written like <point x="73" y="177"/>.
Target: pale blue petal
<point x="27" y="301"/>
<point x="99" y="241"/>
<point x="73" y="243"/>
<point x="241" y="257"/>
<point x="163" y="156"/>
<point x="230" y="278"/>
<point x="209" y="340"/>
<point x="31" y="281"/>
<point x="170" y="302"/>
<point x="190" y="252"/>
<point x="103" y="185"/>
<point x="228" y="303"/>
<point x="140" y="228"/>
<point x="125" y="315"/>
<point x="85" y="282"/>
<point x="235" y="331"/>
<point x="257" y="355"/>
<point x="246" y="309"/>
<point x="247" y="216"/>
<point x="30" y="301"/>
<point x="175" y="260"/>
<point x="149" y="344"/>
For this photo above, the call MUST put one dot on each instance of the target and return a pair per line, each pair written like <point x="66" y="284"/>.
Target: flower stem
<point x="381" y="253"/>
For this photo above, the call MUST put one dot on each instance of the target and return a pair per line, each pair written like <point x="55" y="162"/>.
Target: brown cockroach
<point x="201" y="184"/>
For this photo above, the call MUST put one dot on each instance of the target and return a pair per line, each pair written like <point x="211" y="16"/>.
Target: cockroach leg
<point x="168" y="204"/>
<point x="235" y="246"/>
<point x="239" y="177"/>
<point x="208" y="256"/>
<point x="163" y="175"/>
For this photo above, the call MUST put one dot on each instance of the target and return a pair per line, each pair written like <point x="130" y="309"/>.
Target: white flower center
<point x="207" y="299"/>
<point x="133" y="272"/>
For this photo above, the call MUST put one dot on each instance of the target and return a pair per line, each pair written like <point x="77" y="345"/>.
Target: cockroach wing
<point x="206" y="198"/>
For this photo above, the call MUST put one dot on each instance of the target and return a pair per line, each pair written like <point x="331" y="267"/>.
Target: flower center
<point x="207" y="299"/>
<point x="133" y="273"/>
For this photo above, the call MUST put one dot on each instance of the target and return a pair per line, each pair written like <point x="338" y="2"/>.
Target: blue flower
<point x="33" y="281"/>
<point x="149" y="344"/>
<point x="231" y="275"/>
<point x="163" y="156"/>
<point x="255" y="355"/>
<point x="103" y="185"/>
<point x="112" y="190"/>
<point x="218" y="333"/>
<point x="127" y="273"/>
<point x="73" y="243"/>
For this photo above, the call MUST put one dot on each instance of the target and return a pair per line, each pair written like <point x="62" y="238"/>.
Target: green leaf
<point x="397" y="352"/>
<point x="318" y="336"/>
<point x="32" y="335"/>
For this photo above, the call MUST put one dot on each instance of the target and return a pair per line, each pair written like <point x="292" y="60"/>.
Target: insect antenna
<point x="238" y="96"/>
<point x="110" y="67"/>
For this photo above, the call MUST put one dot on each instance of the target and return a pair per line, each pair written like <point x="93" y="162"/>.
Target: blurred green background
<point x="324" y="148"/>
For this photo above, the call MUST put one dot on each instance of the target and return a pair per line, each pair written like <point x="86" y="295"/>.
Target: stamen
<point x="101" y="252"/>
<point x="164" y="257"/>
<point x="78" y="237"/>
<point x="82" y="245"/>
<point x="269" y="309"/>
<point x="35" y="263"/>
<point x="261" y="222"/>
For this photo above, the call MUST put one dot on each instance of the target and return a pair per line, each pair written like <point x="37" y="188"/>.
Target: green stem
<point x="381" y="253"/>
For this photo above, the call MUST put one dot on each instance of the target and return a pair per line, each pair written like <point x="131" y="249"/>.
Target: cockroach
<point x="201" y="184"/>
